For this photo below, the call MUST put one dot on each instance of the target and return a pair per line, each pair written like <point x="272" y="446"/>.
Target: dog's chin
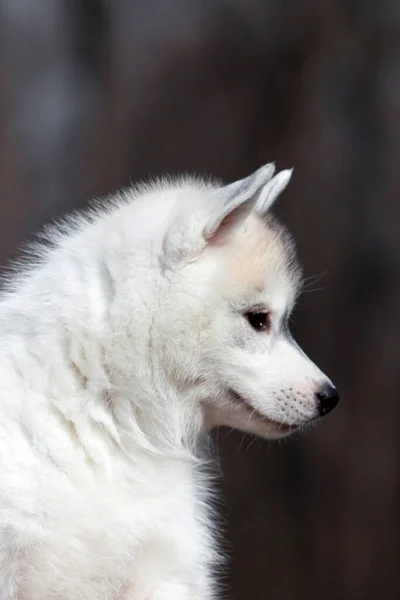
<point x="240" y="414"/>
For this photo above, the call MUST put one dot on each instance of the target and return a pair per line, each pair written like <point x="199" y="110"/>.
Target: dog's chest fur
<point x="103" y="537"/>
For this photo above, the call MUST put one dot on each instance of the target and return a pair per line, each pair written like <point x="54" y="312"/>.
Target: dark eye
<point x="260" y="321"/>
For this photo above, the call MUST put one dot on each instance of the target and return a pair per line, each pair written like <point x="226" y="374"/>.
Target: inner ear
<point x="232" y="220"/>
<point x="231" y="204"/>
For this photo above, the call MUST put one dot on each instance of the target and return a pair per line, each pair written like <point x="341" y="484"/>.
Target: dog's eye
<point x="259" y="321"/>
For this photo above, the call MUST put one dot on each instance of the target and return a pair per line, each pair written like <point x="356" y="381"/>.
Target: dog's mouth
<point x="272" y="426"/>
<point x="240" y="414"/>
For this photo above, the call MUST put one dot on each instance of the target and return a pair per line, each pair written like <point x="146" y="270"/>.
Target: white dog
<point x="146" y="322"/>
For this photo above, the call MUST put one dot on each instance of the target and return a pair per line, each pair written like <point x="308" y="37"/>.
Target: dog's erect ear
<point x="269" y="193"/>
<point x="233" y="203"/>
<point x="222" y="210"/>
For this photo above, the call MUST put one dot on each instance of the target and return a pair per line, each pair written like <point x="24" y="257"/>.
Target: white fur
<point x="117" y="347"/>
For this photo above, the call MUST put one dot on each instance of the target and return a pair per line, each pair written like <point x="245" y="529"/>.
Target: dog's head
<point x="223" y="326"/>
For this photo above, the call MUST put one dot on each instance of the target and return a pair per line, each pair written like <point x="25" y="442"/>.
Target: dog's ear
<point x="222" y="210"/>
<point x="270" y="192"/>
<point x="231" y="204"/>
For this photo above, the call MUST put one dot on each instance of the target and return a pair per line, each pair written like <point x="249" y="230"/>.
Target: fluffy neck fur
<point x="81" y="317"/>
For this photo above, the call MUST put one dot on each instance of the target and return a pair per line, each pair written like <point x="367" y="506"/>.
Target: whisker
<point x="227" y="433"/>
<point x="310" y="291"/>
<point x="310" y="280"/>
<point x="241" y="443"/>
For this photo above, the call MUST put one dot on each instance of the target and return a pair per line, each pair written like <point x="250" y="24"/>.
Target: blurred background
<point x="97" y="93"/>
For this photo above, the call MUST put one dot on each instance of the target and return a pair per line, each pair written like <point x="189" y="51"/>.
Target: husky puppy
<point x="137" y="327"/>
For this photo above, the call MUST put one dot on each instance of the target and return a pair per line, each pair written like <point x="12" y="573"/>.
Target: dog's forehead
<point x="263" y="261"/>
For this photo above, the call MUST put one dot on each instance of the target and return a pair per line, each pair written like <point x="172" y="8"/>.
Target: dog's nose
<point x="327" y="399"/>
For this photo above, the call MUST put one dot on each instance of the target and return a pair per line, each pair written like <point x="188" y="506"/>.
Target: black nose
<point x="327" y="397"/>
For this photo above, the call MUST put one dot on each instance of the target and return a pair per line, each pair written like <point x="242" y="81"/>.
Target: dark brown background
<point x="94" y="94"/>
